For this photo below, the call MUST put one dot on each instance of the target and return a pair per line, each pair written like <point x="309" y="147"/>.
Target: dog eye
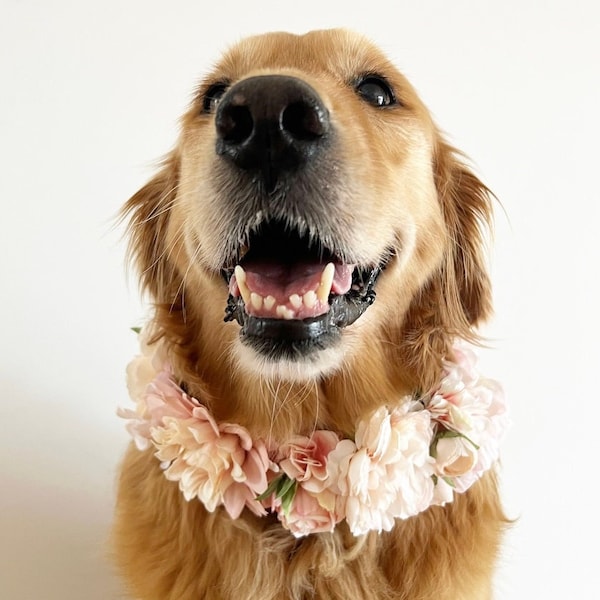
<point x="212" y="97"/>
<point x="376" y="91"/>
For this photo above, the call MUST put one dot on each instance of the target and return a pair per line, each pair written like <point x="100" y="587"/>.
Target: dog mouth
<point x="291" y="294"/>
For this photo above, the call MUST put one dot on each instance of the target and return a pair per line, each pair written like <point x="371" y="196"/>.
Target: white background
<point x="90" y="96"/>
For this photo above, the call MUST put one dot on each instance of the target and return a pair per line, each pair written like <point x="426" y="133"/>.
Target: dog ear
<point x="147" y="213"/>
<point x="467" y="207"/>
<point x="457" y="297"/>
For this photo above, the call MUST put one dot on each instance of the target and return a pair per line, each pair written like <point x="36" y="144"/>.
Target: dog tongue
<point x="289" y="291"/>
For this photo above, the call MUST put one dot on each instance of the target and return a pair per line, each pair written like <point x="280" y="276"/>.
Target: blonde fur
<point x="400" y="184"/>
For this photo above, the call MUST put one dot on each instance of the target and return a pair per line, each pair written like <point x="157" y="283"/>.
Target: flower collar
<point x="402" y="460"/>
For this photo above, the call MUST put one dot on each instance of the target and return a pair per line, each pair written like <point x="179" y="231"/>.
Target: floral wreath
<point x="402" y="459"/>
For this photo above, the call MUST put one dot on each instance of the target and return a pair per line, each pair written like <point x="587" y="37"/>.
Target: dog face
<point x="311" y="197"/>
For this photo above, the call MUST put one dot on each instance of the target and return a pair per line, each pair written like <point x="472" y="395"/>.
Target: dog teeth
<point x="269" y="303"/>
<point x="295" y="301"/>
<point x="240" y="277"/>
<point x="324" y="288"/>
<point x="256" y="300"/>
<point x="309" y="299"/>
<point x="284" y="313"/>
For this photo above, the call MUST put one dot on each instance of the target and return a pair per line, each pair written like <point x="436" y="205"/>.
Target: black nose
<point x="273" y="124"/>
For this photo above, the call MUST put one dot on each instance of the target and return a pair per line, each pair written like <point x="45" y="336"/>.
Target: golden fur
<point x="400" y="185"/>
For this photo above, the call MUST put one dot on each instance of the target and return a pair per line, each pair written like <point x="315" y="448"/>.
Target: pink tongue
<point x="280" y="281"/>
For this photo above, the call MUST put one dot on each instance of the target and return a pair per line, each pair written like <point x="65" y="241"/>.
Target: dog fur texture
<point x="388" y="185"/>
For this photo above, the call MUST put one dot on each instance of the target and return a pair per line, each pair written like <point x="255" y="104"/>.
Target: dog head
<point x="311" y="201"/>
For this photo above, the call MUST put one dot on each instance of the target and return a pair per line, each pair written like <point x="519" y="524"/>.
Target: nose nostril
<point x="272" y="125"/>
<point x="235" y="124"/>
<point x="304" y="121"/>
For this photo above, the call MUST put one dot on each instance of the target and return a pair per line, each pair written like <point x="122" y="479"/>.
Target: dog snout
<point x="273" y="124"/>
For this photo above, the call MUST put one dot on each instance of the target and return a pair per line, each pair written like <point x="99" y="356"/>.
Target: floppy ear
<point x="457" y="297"/>
<point x="148" y="214"/>
<point x="466" y="205"/>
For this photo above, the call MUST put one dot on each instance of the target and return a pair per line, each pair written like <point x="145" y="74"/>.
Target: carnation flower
<point x="216" y="464"/>
<point x="386" y="473"/>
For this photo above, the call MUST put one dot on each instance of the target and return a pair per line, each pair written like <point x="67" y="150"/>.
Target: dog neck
<point x="400" y="457"/>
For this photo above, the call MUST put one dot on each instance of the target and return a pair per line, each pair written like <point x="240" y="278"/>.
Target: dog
<point x="313" y="249"/>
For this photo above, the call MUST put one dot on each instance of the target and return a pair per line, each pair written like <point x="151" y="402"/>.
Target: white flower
<point x="413" y="469"/>
<point x="374" y="434"/>
<point x="386" y="473"/>
<point x="454" y="456"/>
<point x="474" y="408"/>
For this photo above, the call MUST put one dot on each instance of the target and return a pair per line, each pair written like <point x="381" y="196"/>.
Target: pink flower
<point x="161" y="398"/>
<point x="473" y="407"/>
<point x="307" y="515"/>
<point x="217" y="465"/>
<point x="306" y="459"/>
<point x="248" y="483"/>
<point x="144" y="377"/>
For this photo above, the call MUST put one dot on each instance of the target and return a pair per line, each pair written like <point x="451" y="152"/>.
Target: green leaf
<point x="271" y="489"/>
<point x="284" y="486"/>
<point x="136" y="329"/>
<point x="449" y="481"/>
<point x="449" y="433"/>
<point x="288" y="498"/>
<point x="433" y="448"/>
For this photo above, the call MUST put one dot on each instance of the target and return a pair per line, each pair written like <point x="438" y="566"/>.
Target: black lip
<point x="280" y="338"/>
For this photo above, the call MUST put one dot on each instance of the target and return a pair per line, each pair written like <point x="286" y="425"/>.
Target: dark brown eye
<point x="375" y="91"/>
<point x="212" y="97"/>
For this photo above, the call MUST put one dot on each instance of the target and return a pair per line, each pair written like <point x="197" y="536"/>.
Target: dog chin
<point x="298" y="369"/>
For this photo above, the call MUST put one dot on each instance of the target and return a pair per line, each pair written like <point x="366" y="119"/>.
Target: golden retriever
<point x="313" y="247"/>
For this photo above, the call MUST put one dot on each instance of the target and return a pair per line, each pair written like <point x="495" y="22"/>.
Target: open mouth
<point x="292" y="295"/>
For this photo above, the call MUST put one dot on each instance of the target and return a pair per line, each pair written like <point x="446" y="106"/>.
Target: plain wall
<point x="90" y="97"/>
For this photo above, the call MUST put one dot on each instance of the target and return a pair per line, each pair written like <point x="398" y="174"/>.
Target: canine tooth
<point x="240" y="277"/>
<point x="269" y="302"/>
<point x="324" y="288"/>
<point x="256" y="300"/>
<point x="240" y="274"/>
<point x="310" y="298"/>
<point x="295" y="301"/>
<point x="284" y="312"/>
